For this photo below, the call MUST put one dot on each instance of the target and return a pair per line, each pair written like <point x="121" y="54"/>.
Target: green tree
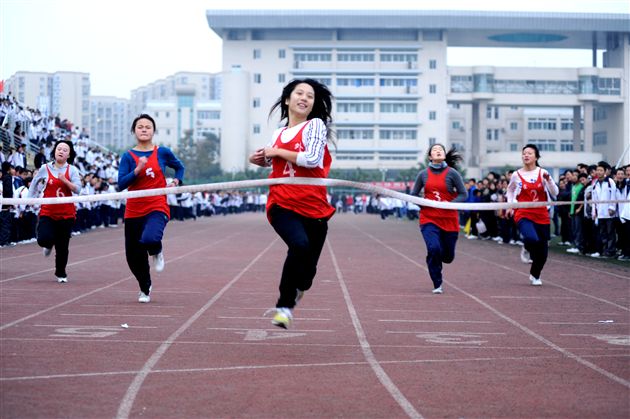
<point x="201" y="158"/>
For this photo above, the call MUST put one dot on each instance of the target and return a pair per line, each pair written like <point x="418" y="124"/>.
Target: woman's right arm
<point x="126" y="174"/>
<point x="41" y="176"/>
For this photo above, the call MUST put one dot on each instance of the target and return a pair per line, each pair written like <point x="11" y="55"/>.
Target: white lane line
<point x="263" y="309"/>
<point x="600" y="271"/>
<point x="114" y="315"/>
<point x="513" y="322"/>
<point x="434" y="321"/>
<point x="421" y="311"/>
<point x="507" y="268"/>
<point x="241" y="329"/>
<point x="119" y="306"/>
<point x="291" y="366"/>
<point x="52" y="269"/>
<point x="583" y="323"/>
<point x="316" y="319"/>
<point x="470" y="333"/>
<point x="127" y="402"/>
<point x="72" y="300"/>
<point x="530" y="297"/>
<point x="382" y="376"/>
<point x="91" y="325"/>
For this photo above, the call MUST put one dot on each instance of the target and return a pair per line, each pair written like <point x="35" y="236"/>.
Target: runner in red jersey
<point x="532" y="183"/>
<point x="440" y="227"/>
<point x="54" y="227"/>
<point x="299" y="213"/>
<point x="143" y="167"/>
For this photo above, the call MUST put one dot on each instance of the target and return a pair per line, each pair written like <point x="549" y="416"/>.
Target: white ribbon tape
<point x="257" y="183"/>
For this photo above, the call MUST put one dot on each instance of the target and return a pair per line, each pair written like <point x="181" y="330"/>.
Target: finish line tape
<point x="257" y="183"/>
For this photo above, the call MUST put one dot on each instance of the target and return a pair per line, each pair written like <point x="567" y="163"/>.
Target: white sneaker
<point x="525" y="256"/>
<point x="283" y="317"/>
<point x="535" y="281"/>
<point x="437" y="290"/>
<point x="158" y="262"/>
<point x="595" y="255"/>
<point x="143" y="298"/>
<point x="46" y="251"/>
<point x="573" y="250"/>
<point x="62" y="279"/>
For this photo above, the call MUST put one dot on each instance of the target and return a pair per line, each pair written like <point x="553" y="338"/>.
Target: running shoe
<point x="282" y="318"/>
<point x="535" y="281"/>
<point x="62" y="279"/>
<point x="158" y="262"/>
<point x="437" y="290"/>
<point x="46" y="251"/>
<point x="143" y="298"/>
<point x="525" y="256"/>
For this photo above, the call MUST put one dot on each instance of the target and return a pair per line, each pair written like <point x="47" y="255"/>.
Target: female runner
<point x="143" y="167"/>
<point x="299" y="213"/>
<point x="440" y="227"/>
<point x="532" y="183"/>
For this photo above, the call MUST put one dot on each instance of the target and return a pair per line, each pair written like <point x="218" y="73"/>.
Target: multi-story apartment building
<point x="63" y="93"/>
<point x="396" y="95"/>
<point x="181" y="103"/>
<point x="109" y="121"/>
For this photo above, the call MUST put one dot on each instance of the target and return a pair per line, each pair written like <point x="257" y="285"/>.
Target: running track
<point x="369" y="340"/>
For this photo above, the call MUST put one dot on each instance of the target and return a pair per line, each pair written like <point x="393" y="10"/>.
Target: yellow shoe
<point x="282" y="318"/>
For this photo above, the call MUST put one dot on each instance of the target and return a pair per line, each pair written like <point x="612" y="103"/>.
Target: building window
<point x="432" y="88"/>
<point x="488" y="134"/>
<point x="496" y="134"/>
<point x="257" y="78"/>
<point x="456" y="124"/>
<point x="432" y="141"/>
<point x="355" y="134"/>
<point x="432" y="64"/>
<point x="355" y="107"/>
<point x="397" y="134"/>
<point x="282" y="53"/>
<point x="399" y="107"/>
<point x="432" y="115"/>
<point x="256" y="129"/>
<point x="513" y="147"/>
<point x="513" y="126"/>
<point x="157" y="114"/>
<point x="168" y="114"/>
<point x="257" y="54"/>
<point x="281" y="77"/>
<point x="256" y="102"/>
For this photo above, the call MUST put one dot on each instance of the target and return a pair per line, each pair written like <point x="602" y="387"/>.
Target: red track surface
<point x="369" y="339"/>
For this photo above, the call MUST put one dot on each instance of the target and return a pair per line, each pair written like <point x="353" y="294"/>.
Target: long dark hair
<point x="322" y="105"/>
<point x="536" y="151"/>
<point x="72" y="154"/>
<point x="452" y="157"/>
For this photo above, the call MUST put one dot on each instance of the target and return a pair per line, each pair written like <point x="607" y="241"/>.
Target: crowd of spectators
<point x="599" y="231"/>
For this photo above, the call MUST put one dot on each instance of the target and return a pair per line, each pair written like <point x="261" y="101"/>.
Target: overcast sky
<point x="125" y="44"/>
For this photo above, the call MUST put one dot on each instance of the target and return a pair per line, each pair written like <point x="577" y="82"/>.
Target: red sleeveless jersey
<point x="436" y="190"/>
<point x="532" y="192"/>
<point x="55" y="189"/>
<point x="306" y="200"/>
<point x="151" y="177"/>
